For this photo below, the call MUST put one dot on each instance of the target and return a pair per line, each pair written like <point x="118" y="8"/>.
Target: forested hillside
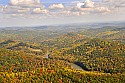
<point x="47" y="54"/>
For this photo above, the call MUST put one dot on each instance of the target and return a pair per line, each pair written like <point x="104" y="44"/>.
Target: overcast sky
<point x="28" y="13"/>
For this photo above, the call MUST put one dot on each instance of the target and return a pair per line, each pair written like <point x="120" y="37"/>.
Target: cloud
<point x="89" y="4"/>
<point x="86" y="4"/>
<point x="79" y="5"/>
<point x="89" y="7"/>
<point x="78" y="8"/>
<point x="23" y="10"/>
<point x="56" y="6"/>
<point x="24" y="2"/>
<point x="116" y="3"/>
<point x="102" y="10"/>
<point x="39" y="10"/>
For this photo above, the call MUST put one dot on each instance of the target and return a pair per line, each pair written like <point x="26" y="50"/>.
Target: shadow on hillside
<point x="82" y="66"/>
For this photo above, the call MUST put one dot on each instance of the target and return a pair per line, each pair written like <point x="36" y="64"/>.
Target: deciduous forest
<point x="47" y="54"/>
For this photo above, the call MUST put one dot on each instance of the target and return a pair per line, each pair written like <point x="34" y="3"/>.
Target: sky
<point x="51" y="12"/>
<point x="6" y="1"/>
